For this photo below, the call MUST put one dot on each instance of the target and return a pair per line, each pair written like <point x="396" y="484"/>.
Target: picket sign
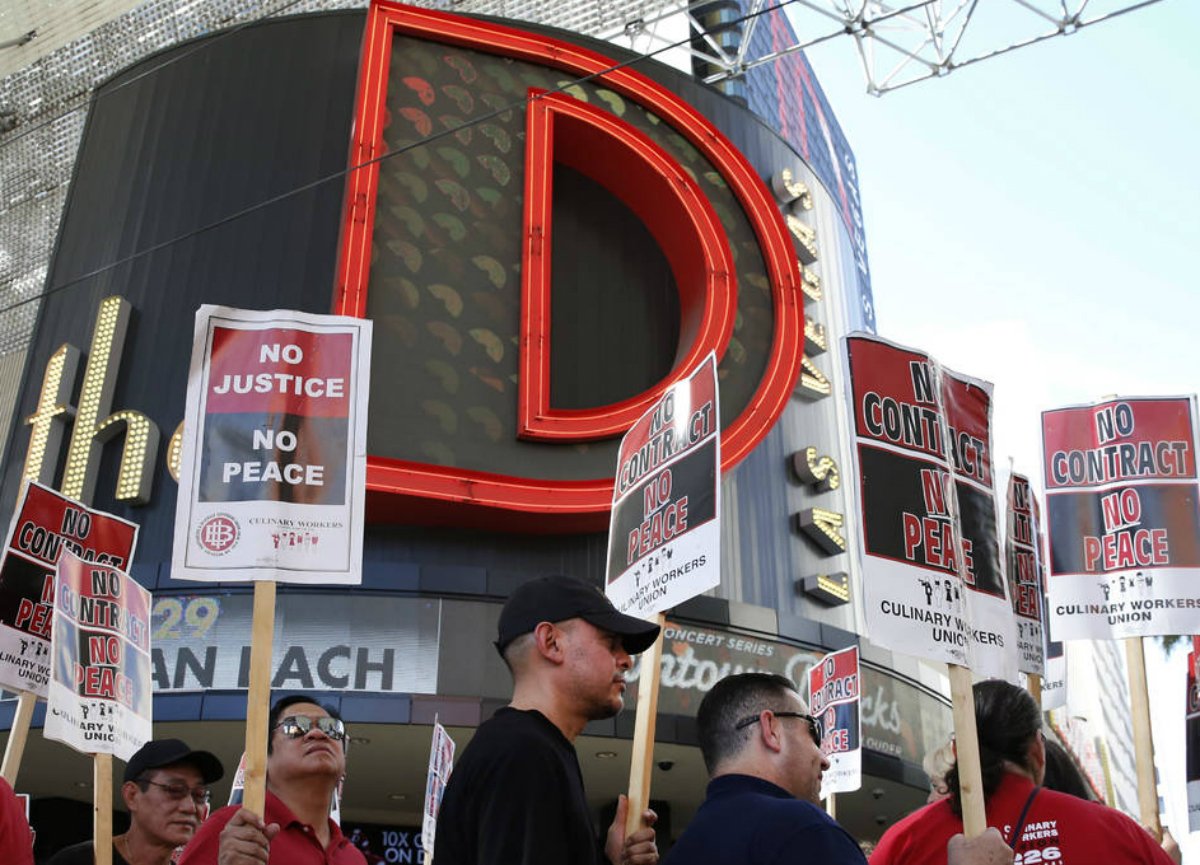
<point x="237" y="509"/>
<point x="666" y="512"/>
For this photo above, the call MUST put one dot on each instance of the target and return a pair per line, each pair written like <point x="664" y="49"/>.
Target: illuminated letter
<point x="653" y="185"/>
<point x="90" y="432"/>
<point x="813" y="383"/>
<point x="820" y="472"/>
<point x="821" y="527"/>
<point x="650" y="179"/>
<point x="53" y="409"/>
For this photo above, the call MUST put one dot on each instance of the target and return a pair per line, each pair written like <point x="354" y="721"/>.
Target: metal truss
<point x="898" y="44"/>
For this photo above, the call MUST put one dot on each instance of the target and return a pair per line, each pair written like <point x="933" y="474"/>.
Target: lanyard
<point x="1016" y="835"/>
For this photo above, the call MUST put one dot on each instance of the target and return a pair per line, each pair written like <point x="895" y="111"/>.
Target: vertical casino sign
<point x="272" y="478"/>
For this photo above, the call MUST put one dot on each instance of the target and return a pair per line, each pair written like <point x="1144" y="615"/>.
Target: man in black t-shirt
<point x="516" y="795"/>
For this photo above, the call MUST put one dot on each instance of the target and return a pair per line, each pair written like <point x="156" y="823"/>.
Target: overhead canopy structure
<point x="897" y="43"/>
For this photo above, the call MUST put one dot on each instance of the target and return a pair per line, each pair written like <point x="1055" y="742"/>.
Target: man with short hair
<point x="306" y="757"/>
<point x="166" y="792"/>
<point x="763" y="753"/>
<point x="516" y="795"/>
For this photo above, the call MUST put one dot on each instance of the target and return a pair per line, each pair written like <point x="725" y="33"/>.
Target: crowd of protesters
<point x="516" y="796"/>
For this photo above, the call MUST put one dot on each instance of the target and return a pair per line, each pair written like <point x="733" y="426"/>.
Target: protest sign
<point x="834" y="688"/>
<point x="1123" y="518"/>
<point x="664" y="532"/>
<point x="44" y="525"/>
<point x="932" y="581"/>
<point x="1054" y="682"/>
<point x="664" y="535"/>
<point x="100" y="685"/>
<point x="441" y="763"/>
<point x="1025" y="578"/>
<point x="1054" y="679"/>
<point x="273" y="473"/>
<point x="272" y="477"/>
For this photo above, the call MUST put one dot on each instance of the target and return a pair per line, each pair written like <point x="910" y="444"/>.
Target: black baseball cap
<point x="558" y="598"/>
<point x="167" y="752"/>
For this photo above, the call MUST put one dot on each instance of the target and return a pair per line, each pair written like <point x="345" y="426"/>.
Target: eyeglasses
<point x="814" y="726"/>
<point x="295" y="726"/>
<point x="178" y="790"/>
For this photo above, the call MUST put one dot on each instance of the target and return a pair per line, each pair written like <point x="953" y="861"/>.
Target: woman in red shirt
<point x="1042" y="826"/>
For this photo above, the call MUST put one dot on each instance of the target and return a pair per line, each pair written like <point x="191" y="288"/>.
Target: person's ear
<point x="549" y="641"/>
<point x="1036" y="757"/>
<point x="129" y="793"/>
<point x="770" y="731"/>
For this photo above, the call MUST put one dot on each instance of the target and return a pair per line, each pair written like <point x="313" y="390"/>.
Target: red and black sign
<point x="932" y="459"/>
<point x="277" y="407"/>
<point x="45" y="524"/>
<point x="1120" y="480"/>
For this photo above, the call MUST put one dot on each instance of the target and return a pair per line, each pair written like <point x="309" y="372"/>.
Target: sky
<point x="1031" y="220"/>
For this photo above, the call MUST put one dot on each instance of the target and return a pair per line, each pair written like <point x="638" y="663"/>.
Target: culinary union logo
<point x="218" y="534"/>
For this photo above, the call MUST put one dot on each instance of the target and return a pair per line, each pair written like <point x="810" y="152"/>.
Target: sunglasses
<point x="178" y="790"/>
<point x="295" y="726"/>
<point x="814" y="726"/>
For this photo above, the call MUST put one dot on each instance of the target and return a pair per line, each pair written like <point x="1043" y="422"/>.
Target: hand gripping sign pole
<point x="664" y="535"/>
<point x="273" y="473"/>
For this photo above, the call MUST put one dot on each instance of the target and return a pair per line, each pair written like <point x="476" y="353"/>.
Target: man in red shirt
<point x="306" y="757"/>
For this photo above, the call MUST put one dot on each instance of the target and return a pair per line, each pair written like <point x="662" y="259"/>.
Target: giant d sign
<point x="444" y="105"/>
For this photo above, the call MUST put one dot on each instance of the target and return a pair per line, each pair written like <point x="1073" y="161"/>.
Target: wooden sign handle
<point x="17" y="736"/>
<point x="1143" y="741"/>
<point x="966" y="746"/>
<point x="642" y="762"/>
<point x="102" y="801"/>
<point x="258" y="697"/>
